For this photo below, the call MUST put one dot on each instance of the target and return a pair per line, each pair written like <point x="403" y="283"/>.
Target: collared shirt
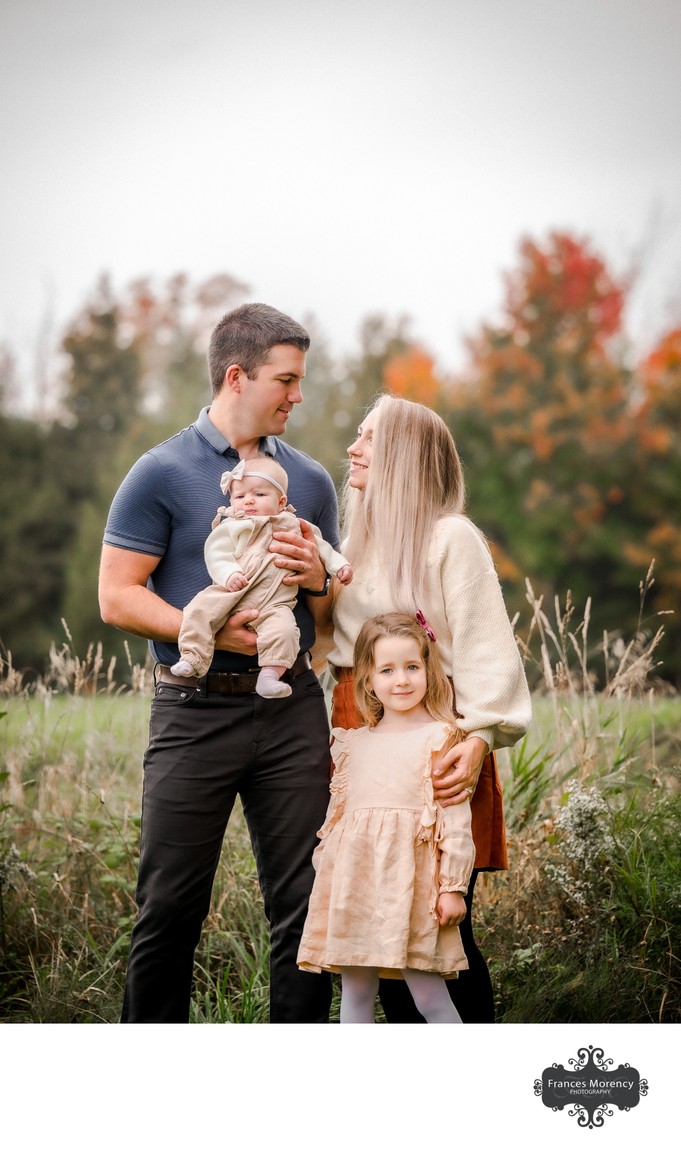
<point x="167" y="502"/>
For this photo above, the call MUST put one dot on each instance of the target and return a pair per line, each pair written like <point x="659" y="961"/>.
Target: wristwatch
<point x="319" y="593"/>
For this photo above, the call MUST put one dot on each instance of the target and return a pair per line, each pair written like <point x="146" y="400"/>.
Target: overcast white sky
<point x="339" y="157"/>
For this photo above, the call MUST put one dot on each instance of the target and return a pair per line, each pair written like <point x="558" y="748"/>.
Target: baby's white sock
<point x="183" y="669"/>
<point x="269" y="684"/>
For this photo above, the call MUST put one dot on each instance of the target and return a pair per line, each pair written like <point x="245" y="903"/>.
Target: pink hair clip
<point x="421" y="619"/>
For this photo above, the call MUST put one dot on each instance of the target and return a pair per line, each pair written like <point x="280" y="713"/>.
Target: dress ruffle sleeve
<point x="446" y="830"/>
<point x="456" y="851"/>
<point x="340" y="755"/>
<point x="433" y="745"/>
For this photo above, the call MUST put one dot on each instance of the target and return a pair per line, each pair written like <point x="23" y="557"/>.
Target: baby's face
<point x="255" y="496"/>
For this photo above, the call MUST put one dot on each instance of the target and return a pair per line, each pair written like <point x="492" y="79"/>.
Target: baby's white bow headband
<point x="239" y="472"/>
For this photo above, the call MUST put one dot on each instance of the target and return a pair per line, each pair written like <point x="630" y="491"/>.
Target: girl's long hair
<point x="414" y="479"/>
<point x="438" y="700"/>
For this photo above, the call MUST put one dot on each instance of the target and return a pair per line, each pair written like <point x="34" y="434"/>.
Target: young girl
<point x="392" y="866"/>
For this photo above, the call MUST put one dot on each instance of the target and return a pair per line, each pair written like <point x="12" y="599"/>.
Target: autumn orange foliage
<point x="412" y="376"/>
<point x="573" y="459"/>
<point x="563" y="293"/>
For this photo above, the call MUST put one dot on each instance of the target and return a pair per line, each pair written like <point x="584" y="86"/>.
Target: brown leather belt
<point x="225" y="682"/>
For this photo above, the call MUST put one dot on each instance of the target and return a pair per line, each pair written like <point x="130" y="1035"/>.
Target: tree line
<point x="572" y="454"/>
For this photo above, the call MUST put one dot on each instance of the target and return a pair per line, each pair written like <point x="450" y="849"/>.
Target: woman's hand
<point x="451" y="909"/>
<point x="456" y="773"/>
<point x="300" y="556"/>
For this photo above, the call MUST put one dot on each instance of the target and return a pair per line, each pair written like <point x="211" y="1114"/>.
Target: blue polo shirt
<point x="167" y="502"/>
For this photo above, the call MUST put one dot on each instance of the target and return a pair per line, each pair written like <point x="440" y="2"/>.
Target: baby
<point x="244" y="574"/>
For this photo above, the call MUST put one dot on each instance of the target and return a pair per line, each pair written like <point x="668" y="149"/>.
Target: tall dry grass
<point x="71" y="748"/>
<point x="586" y="925"/>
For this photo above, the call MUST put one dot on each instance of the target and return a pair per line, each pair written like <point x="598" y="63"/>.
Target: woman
<point x="413" y="549"/>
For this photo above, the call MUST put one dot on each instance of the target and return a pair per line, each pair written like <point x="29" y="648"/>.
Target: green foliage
<point x="37" y="525"/>
<point x="587" y="923"/>
<point x="134" y="372"/>
<point x="102" y="381"/>
<point x="595" y="894"/>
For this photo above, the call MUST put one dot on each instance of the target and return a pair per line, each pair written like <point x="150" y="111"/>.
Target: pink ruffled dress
<point x="386" y="851"/>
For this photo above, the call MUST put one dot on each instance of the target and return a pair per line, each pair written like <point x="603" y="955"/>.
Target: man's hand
<point x="300" y="556"/>
<point x="236" y="634"/>
<point x="456" y="774"/>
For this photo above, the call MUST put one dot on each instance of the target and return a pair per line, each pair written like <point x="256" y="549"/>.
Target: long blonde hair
<point x="438" y="700"/>
<point x="414" y="479"/>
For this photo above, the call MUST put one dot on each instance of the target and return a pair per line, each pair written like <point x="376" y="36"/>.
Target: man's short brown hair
<point x="245" y="336"/>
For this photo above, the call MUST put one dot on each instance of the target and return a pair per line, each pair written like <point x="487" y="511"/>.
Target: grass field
<point x="586" y="924"/>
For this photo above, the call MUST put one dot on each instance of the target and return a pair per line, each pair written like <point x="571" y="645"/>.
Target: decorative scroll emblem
<point x="592" y="1087"/>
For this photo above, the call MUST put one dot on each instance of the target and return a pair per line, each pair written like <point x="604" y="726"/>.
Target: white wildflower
<point x="582" y="820"/>
<point x="11" y="866"/>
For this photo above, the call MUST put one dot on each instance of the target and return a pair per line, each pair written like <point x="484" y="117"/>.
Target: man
<point x="217" y="738"/>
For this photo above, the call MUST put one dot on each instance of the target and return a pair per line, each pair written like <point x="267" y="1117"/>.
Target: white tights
<point x="429" y="991"/>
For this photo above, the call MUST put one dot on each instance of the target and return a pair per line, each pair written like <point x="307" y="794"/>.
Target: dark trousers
<point x="471" y="991"/>
<point x="273" y="753"/>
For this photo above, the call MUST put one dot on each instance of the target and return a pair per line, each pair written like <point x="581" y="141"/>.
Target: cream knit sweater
<point x="464" y="606"/>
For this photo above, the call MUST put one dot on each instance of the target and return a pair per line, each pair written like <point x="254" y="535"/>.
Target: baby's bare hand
<point x="237" y="581"/>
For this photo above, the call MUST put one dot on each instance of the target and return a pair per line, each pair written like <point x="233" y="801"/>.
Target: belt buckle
<point x="236" y="682"/>
<point x="226" y="683"/>
<point x="243" y="680"/>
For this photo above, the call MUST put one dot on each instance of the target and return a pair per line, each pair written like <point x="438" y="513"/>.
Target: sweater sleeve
<point x="492" y="695"/>
<point x="220" y="549"/>
<point x="333" y="560"/>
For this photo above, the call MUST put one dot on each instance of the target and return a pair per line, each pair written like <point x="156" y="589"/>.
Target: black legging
<point x="471" y="991"/>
